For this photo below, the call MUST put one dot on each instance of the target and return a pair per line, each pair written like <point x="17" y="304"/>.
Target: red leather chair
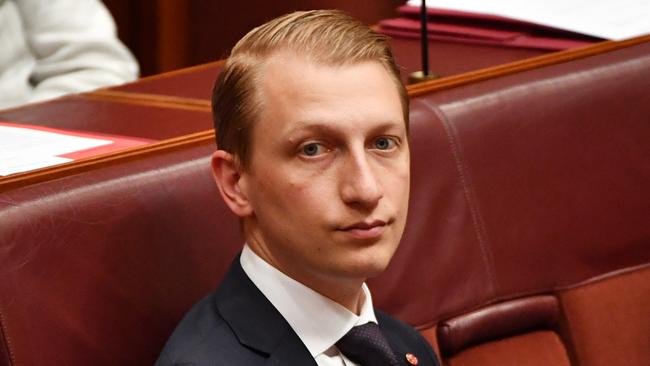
<point x="97" y="268"/>
<point x="527" y="244"/>
<point x="528" y="240"/>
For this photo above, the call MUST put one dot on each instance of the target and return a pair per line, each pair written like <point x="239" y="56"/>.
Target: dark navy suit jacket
<point x="237" y="325"/>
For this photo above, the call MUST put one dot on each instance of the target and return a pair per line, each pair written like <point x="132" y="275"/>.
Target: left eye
<point x="384" y="143"/>
<point x="313" y="149"/>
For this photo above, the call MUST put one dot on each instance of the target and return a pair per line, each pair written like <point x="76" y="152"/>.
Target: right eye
<point x="313" y="149"/>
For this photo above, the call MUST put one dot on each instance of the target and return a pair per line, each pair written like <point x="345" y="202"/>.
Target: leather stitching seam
<point x="7" y="343"/>
<point x="468" y="192"/>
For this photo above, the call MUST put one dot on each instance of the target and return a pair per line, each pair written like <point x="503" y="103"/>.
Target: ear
<point x="227" y="175"/>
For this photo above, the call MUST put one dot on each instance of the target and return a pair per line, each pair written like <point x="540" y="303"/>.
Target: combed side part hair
<point x="325" y="37"/>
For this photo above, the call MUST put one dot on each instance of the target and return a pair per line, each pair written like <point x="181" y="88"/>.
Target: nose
<point x="359" y="182"/>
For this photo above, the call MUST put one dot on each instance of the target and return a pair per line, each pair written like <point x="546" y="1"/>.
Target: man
<point x="311" y="119"/>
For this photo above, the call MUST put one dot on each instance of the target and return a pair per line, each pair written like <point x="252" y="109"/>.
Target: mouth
<point x="370" y="229"/>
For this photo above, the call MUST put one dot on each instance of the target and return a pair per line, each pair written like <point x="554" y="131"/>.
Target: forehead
<point x="295" y="90"/>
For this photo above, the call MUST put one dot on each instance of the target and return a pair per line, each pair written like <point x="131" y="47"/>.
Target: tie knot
<point x="366" y="345"/>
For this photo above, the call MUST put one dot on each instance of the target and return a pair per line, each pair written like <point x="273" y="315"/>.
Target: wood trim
<point x="182" y="71"/>
<point x="519" y="66"/>
<point x="75" y="167"/>
<point x="154" y="100"/>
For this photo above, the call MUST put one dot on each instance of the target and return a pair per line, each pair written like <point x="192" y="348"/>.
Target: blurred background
<point x="170" y="34"/>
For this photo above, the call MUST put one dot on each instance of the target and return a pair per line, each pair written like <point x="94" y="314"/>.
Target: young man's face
<point x="328" y="182"/>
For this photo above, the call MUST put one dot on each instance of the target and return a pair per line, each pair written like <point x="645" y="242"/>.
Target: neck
<point x="345" y="291"/>
<point x="348" y="295"/>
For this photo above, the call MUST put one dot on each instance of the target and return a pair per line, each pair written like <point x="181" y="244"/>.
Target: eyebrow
<point x="326" y="127"/>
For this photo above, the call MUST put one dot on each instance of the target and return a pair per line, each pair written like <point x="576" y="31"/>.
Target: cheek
<point x="314" y="198"/>
<point x="314" y="185"/>
<point x="292" y="196"/>
<point x="267" y="195"/>
<point x="397" y="179"/>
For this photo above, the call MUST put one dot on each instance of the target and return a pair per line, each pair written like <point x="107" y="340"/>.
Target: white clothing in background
<point x="53" y="47"/>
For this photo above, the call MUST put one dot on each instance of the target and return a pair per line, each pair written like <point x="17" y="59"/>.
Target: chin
<point x="374" y="272"/>
<point x="370" y="265"/>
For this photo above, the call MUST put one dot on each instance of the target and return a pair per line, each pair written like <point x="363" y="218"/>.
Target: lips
<point x="366" y="229"/>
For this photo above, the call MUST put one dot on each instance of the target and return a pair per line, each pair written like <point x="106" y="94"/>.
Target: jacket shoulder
<point x="203" y="337"/>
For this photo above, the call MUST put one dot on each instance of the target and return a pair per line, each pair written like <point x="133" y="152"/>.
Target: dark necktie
<point x="366" y="345"/>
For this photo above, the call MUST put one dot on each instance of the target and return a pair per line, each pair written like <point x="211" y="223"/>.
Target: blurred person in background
<point x="49" y="48"/>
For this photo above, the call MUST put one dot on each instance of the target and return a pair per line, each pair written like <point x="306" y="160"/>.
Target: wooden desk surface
<point x="90" y="113"/>
<point x="193" y="82"/>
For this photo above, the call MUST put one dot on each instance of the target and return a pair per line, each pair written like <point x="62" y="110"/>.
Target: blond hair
<point x="325" y="37"/>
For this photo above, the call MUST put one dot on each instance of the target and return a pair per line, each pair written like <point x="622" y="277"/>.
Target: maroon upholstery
<point x="525" y="184"/>
<point x="496" y="321"/>
<point x="608" y="321"/>
<point x="98" y="268"/>
<point x="537" y="348"/>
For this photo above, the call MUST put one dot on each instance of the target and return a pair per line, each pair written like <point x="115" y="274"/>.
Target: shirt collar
<point x="317" y="320"/>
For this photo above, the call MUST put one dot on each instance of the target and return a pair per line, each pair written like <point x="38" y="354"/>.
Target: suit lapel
<point x="399" y="348"/>
<point x="256" y="322"/>
<point x="290" y="351"/>
<point x="396" y="341"/>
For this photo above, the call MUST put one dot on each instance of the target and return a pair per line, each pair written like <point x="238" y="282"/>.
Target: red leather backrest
<point x="523" y="184"/>
<point x="97" y="268"/>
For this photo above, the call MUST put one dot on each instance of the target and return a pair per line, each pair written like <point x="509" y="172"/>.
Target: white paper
<point x="616" y="20"/>
<point x="23" y="149"/>
<point x="24" y="165"/>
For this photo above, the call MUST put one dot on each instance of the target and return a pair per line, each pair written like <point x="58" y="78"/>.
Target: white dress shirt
<point x="317" y="320"/>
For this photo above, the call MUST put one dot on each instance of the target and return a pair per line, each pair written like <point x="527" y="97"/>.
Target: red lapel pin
<point x="411" y="359"/>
